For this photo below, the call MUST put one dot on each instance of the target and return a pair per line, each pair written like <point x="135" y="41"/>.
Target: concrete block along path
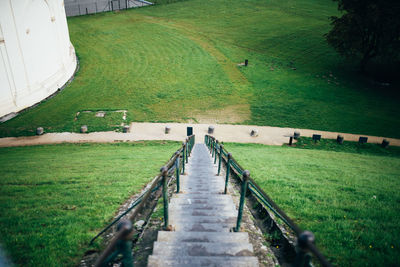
<point x="155" y="131"/>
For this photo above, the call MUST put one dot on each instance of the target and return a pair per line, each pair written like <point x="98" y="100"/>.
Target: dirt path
<point x="155" y="131"/>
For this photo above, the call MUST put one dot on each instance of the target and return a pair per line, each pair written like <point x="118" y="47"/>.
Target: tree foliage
<point x="368" y="29"/>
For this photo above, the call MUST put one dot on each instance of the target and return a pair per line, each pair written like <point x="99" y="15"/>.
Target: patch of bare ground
<point x="229" y="114"/>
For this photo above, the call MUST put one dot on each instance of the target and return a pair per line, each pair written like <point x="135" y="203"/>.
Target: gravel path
<point x="155" y="131"/>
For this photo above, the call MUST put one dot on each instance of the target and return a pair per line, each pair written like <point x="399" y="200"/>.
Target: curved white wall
<point x="36" y="55"/>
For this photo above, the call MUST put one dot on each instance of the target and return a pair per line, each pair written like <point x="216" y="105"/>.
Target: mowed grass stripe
<point x="54" y="199"/>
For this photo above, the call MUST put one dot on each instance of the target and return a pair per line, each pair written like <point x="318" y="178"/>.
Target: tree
<point x="368" y="29"/>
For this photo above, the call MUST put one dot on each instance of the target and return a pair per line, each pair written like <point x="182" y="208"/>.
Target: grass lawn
<point x="55" y="198"/>
<point x="351" y="201"/>
<point x="178" y="62"/>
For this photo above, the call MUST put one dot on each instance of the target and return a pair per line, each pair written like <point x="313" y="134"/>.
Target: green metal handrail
<point x="305" y="239"/>
<point x="121" y="243"/>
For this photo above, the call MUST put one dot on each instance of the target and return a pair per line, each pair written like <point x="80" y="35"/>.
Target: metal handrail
<point x="123" y="236"/>
<point x="305" y="239"/>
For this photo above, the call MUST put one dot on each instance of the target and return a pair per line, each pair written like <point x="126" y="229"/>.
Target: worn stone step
<point x="203" y="227"/>
<point x="202" y="249"/>
<point x="208" y="207"/>
<point x="201" y="196"/>
<point x="239" y="237"/>
<point x="203" y="212"/>
<point x="209" y="201"/>
<point x="202" y="219"/>
<point x="195" y="261"/>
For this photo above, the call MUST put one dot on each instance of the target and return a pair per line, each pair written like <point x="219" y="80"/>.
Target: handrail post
<point x="164" y="173"/>
<point x="215" y="152"/>
<point x="246" y="175"/>
<point x="228" y="169"/>
<point x="187" y="151"/>
<point x="177" y="172"/>
<point x="303" y="257"/>
<point x="183" y="158"/>
<point x="221" y="147"/>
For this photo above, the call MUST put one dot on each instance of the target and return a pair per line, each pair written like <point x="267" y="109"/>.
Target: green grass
<point x="55" y="198"/>
<point x="349" y="200"/>
<point x="179" y="61"/>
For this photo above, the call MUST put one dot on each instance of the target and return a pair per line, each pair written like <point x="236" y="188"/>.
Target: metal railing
<point x="121" y="243"/>
<point x="305" y="246"/>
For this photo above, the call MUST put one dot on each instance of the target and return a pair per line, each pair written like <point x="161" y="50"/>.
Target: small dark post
<point x="39" y="131"/>
<point x="296" y="135"/>
<point x="340" y="139"/>
<point x="228" y="169"/>
<point x="212" y="147"/>
<point x="246" y="175"/>
<point x="303" y="258"/>
<point x="216" y="152"/>
<point x="385" y="143"/>
<point x="221" y="147"/>
<point x="246" y="62"/>
<point x="183" y="158"/>
<point x="290" y="140"/>
<point x="164" y="173"/>
<point x="87" y="11"/>
<point x="210" y="129"/>
<point x="316" y="137"/>
<point x="112" y="5"/>
<point x="177" y="172"/>
<point x="187" y="150"/>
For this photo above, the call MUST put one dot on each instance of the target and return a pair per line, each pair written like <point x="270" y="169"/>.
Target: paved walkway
<point x="202" y="218"/>
<point x="155" y="131"/>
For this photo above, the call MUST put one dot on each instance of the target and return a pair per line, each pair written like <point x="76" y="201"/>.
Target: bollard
<point x="340" y="139"/>
<point x="228" y="169"/>
<point x="296" y="135"/>
<point x="39" y="131"/>
<point x="125" y="129"/>
<point x="221" y="147"/>
<point x="210" y="129"/>
<point x="385" y="143"/>
<point x="303" y="257"/>
<point x="177" y="171"/>
<point x="246" y="62"/>
<point x="254" y="133"/>
<point x="164" y="173"/>
<point x="167" y="129"/>
<point x="246" y="175"/>
<point x="84" y="128"/>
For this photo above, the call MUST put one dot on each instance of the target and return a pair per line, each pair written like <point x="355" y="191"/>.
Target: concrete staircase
<point x="202" y="218"/>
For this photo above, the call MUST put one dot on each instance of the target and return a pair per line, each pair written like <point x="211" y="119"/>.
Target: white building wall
<point x="36" y="55"/>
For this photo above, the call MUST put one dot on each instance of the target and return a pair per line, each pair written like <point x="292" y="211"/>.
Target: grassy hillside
<point x="178" y="62"/>
<point x="349" y="200"/>
<point x="54" y="199"/>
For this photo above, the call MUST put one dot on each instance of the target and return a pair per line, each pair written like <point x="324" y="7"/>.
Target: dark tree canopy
<point x="368" y="29"/>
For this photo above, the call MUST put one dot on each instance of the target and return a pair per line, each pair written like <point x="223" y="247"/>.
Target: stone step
<point x="201" y="196"/>
<point x="200" y="207"/>
<point x="184" y="213"/>
<point x="239" y="237"/>
<point x="202" y="249"/>
<point x="202" y="219"/>
<point x="208" y="201"/>
<point x="203" y="227"/>
<point x="195" y="261"/>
